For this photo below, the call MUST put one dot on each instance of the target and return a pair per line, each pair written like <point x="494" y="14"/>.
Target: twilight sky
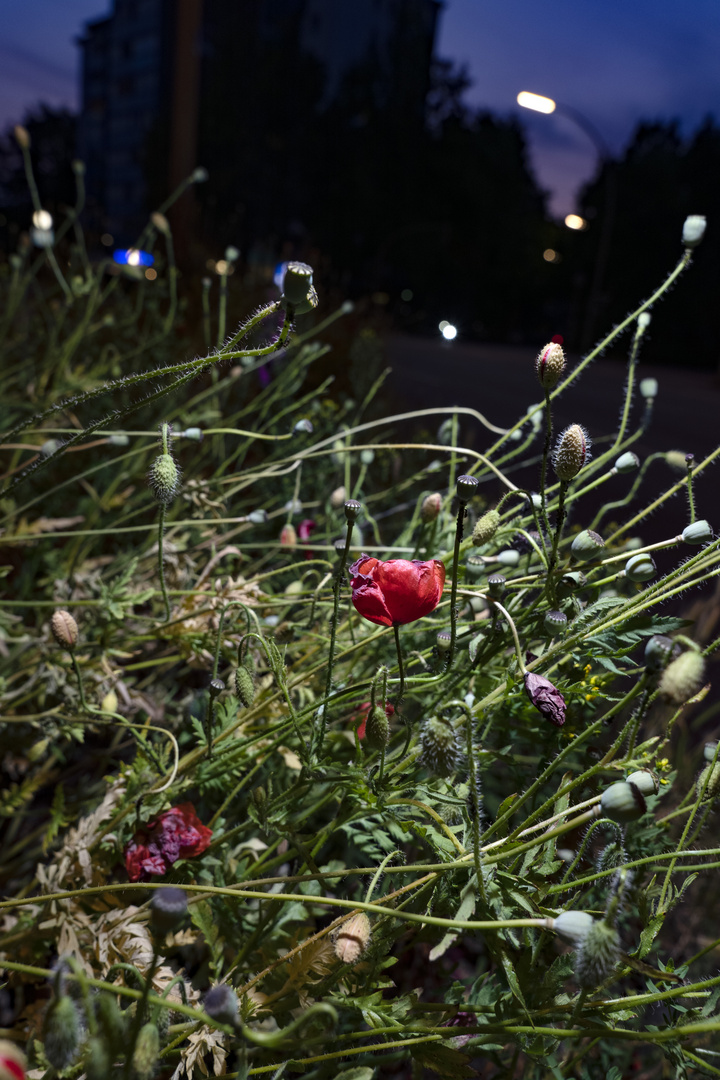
<point x="616" y="61"/>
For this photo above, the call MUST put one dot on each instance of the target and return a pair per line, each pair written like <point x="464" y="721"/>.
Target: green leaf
<point x="359" y="1073"/>
<point x="443" y="1060"/>
<point x="465" y="910"/>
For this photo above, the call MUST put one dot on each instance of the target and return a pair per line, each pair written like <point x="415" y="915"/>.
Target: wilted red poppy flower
<point x="363" y="713"/>
<point x="176" y="834"/>
<point x="397" y="591"/>
<point x="305" y="528"/>
<point x="545" y="697"/>
<point x="12" y="1061"/>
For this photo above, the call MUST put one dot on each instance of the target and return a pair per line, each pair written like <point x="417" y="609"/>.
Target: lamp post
<point x="546" y="105"/>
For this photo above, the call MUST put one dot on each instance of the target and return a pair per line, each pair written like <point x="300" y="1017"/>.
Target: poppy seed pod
<point x="571" y="453"/>
<point x="61" y="1032"/>
<point x="572" y="925"/>
<point x="397" y="591"/>
<point x="648" y="388"/>
<point x="554" y="622"/>
<point x="699" y="532"/>
<point x="466" y="487"/>
<point x="570" y="583"/>
<point x="622" y="802"/>
<point x="508" y="557"/>
<point x="221" y="1004"/>
<point x="147" y="1049"/>
<point x="597" y="955"/>
<point x="64" y="629"/>
<point x="644" y="320"/>
<point x="164" y="478"/>
<point x="377" y="729"/>
<point x="485" y="528"/>
<point x="496" y="585"/>
<point x="475" y="566"/>
<point x="640" y="567"/>
<point x="693" y="230"/>
<point x="352" y="938"/>
<point x="297" y="282"/>
<point x="168" y="908"/>
<point x="645" y="781"/>
<point x="244" y="686"/>
<point x="658" y="652"/>
<point x="627" y="463"/>
<point x="311" y="301"/>
<point x="682" y="679"/>
<point x="430" y="507"/>
<point x="352" y="509"/>
<point x="443" y="640"/>
<point x="441" y="752"/>
<point x="550" y="364"/>
<point x="587" y="545"/>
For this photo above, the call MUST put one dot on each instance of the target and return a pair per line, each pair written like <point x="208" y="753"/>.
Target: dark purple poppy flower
<point x="545" y="697"/>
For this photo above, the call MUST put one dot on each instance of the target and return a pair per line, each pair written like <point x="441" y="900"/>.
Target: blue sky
<point x="617" y="61"/>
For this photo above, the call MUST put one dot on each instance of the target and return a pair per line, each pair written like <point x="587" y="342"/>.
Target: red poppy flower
<point x="363" y="713"/>
<point x="176" y="834"/>
<point x="397" y="591"/>
<point x="305" y="529"/>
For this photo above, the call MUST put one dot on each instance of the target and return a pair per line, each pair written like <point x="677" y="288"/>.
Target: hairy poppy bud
<point x="377" y="729"/>
<point x="168" y="907"/>
<point x="587" y="545"/>
<point x="466" y="487"/>
<point x="352" y="938"/>
<point x="627" y="463"/>
<point x="682" y="679"/>
<point x="61" y="1032"/>
<point x="622" y="802"/>
<point x="64" y="629"/>
<point x="658" y="652"/>
<point x="147" y="1050"/>
<point x="597" y="955"/>
<point x="496" y="585"/>
<point x="554" y="622"/>
<point x="711" y="773"/>
<point x="352" y="509"/>
<point x="111" y="1021"/>
<point x="693" y="230"/>
<point x="98" y="1065"/>
<point x="700" y="532"/>
<point x="221" y="1004"/>
<point x="297" y="282"/>
<point x="550" y="364"/>
<point x="164" y="478"/>
<point x="571" y="453"/>
<point x="485" y="528"/>
<point x="430" y="508"/>
<point x="645" y="781"/>
<point x="441" y="751"/>
<point x="244" y="686"/>
<point x="572" y="925"/>
<point x="640" y="567"/>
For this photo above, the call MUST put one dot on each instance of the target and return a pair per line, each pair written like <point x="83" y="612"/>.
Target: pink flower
<point x="396" y="592"/>
<point x="176" y="834"/>
<point x="545" y="697"/>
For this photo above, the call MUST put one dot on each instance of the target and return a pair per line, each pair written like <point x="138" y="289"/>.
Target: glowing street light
<point x="536" y="102"/>
<point x="574" y="221"/>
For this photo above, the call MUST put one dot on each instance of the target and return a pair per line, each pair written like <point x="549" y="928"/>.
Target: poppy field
<point x="338" y="741"/>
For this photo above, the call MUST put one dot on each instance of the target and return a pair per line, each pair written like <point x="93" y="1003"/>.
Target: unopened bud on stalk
<point x="164" y="478"/>
<point x="485" y="528"/>
<point x="658" y="652"/>
<point x="377" y="729"/>
<point x="622" y="802"/>
<point x="244" y="686"/>
<point x="645" y="781"/>
<point x="587" y="545"/>
<point x="496" y="585"/>
<point x="288" y="536"/>
<point x="466" y="487"/>
<point x="597" y="955"/>
<point x="676" y="460"/>
<point x="160" y="222"/>
<point x="200" y="175"/>
<point x="168" y="908"/>
<point x="22" y="136"/>
<point x="649" y="388"/>
<point x="550" y="364"/>
<point x="700" y="532"/>
<point x="221" y="1004"/>
<point x="337" y="497"/>
<point x="571" y="453"/>
<point x="441" y="751"/>
<point x="682" y="679"/>
<point x="147" y="1050"/>
<point x="61" y="1032"/>
<point x="430" y="508"/>
<point x="640" y="567"/>
<point x="711" y="773"/>
<point x="644" y="319"/>
<point x="297" y="282"/>
<point x="693" y="230"/>
<point x="64" y="629"/>
<point x="351" y="939"/>
<point x="573" y="926"/>
<point x="627" y="463"/>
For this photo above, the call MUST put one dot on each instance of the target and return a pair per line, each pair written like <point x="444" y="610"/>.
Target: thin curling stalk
<point x="465" y="488"/>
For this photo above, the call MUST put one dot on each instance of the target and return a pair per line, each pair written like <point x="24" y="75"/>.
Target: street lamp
<point x="538" y="103"/>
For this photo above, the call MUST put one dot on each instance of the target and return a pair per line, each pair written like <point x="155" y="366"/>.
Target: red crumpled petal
<point x="396" y="592"/>
<point x="176" y="834"/>
<point x="546" y="698"/>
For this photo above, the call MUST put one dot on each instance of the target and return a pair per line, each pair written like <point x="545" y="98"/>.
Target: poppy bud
<point x="258" y="517"/>
<point x="676" y="460"/>
<point x="640" y="567"/>
<point x="377" y="729"/>
<point x="572" y="925"/>
<point x="496" y="586"/>
<point x="352" y="509"/>
<point x="709" y="750"/>
<point x="645" y="781"/>
<point x="352" y="938"/>
<point x="441" y="751"/>
<point x="509" y="557"/>
<point x="622" y="802"/>
<point x="288" y="536"/>
<point x="367" y="457"/>
<point x="571" y="453"/>
<point x="244" y="686"/>
<point x="700" y="532"/>
<point x="221" y="1004"/>
<point x="430" y="508"/>
<point x="61" y="1032"/>
<point x="693" y="230"/>
<point x="587" y="545"/>
<point x="164" y="478"/>
<point x="658" y="652"/>
<point x="337" y="497"/>
<point x="554" y="622"/>
<point x="22" y="136"/>
<point x="12" y="1061"/>
<point x="485" y="528"/>
<point x="466" y="487"/>
<point x="443" y="639"/>
<point x="97" y="1061"/>
<point x="550" y="364"/>
<point x="644" y="320"/>
<point x="147" y="1049"/>
<point x="597" y="955"/>
<point x="111" y="1021"/>
<point x="612" y="856"/>
<point x="475" y="566"/>
<point x="160" y="222"/>
<point x="648" y="389"/>
<point x="200" y="175"/>
<point x="168" y="907"/>
<point x="711" y="773"/>
<point x="297" y="282"/>
<point x="682" y="679"/>
<point x="303" y="426"/>
<point x="195" y="434"/>
<point x="64" y="629"/>
<point x="627" y="463"/>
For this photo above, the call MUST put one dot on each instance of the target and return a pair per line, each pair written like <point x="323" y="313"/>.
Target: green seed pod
<point x="147" y="1049"/>
<point x="682" y="679"/>
<point x="441" y="751"/>
<point x="168" y="908"/>
<point x="573" y="926"/>
<point x="550" y="364"/>
<point x="164" y="478"/>
<point x="111" y="1021"/>
<point x="309" y="303"/>
<point x="597" y="955"/>
<point x="627" y="463"/>
<point x="509" y="557"/>
<point x="352" y="509"/>
<point x="64" y="629"/>
<point x="61" y="1032"/>
<point x="622" y="802"/>
<point x="496" y="586"/>
<point x="693" y="230"/>
<point x="649" y="389"/>
<point x="587" y="545"/>
<point x="711" y="773"/>
<point x="700" y="532"/>
<point x="443" y="640"/>
<point x="221" y="1004"/>
<point x="676" y="460"/>
<point x="640" y="567"/>
<point x="571" y="453"/>
<point x="195" y="434"/>
<point x="466" y="487"/>
<point x="554" y="622"/>
<point x="244" y="686"/>
<point x="377" y="729"/>
<point x="97" y="1061"/>
<point x="430" y="507"/>
<point x="297" y="282"/>
<point x="485" y="528"/>
<point x="658" y="652"/>
<point x="645" y="781"/>
<point x="475" y="566"/>
<point x="570" y="583"/>
<point x="709" y="750"/>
